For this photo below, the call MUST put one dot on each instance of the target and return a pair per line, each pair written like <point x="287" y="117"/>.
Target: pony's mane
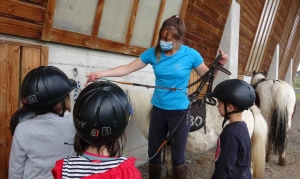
<point x="257" y="77"/>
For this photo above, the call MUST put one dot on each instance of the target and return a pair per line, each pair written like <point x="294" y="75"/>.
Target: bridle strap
<point x="257" y="83"/>
<point x="208" y="77"/>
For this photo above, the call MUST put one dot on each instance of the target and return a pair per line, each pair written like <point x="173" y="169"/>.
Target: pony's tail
<point x="258" y="141"/>
<point x="278" y="123"/>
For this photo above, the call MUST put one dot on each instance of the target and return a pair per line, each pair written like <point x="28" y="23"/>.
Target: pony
<point x="277" y="101"/>
<point x="198" y="141"/>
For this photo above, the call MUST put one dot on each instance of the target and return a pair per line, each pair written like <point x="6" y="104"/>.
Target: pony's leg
<point x="268" y="151"/>
<point x="168" y="160"/>
<point x="282" y="160"/>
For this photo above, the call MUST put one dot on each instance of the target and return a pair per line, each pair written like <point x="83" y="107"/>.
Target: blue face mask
<point x="165" y="46"/>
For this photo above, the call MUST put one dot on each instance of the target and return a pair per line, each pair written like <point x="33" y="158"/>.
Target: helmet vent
<point x="97" y="116"/>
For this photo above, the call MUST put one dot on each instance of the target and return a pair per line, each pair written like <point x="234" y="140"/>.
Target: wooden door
<point x="17" y="58"/>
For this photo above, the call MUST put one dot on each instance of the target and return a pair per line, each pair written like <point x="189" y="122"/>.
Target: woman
<point x="172" y="63"/>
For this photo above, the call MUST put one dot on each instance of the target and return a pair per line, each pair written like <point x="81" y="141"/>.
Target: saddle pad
<point x="198" y="115"/>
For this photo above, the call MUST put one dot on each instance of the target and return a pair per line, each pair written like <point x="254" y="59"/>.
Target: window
<point x="125" y="26"/>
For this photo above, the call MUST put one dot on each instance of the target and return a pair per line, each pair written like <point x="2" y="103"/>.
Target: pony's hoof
<point x="282" y="161"/>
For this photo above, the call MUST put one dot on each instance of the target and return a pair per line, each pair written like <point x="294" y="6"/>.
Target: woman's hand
<point x="92" y="77"/>
<point x="224" y="58"/>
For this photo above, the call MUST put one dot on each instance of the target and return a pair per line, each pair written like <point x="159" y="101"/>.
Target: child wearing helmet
<point x="101" y="114"/>
<point x="19" y="116"/>
<point x="233" y="152"/>
<point x="39" y="142"/>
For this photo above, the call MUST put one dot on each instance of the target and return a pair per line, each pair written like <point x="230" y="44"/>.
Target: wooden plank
<point x="201" y="40"/>
<point x="69" y="37"/>
<point x="226" y="4"/>
<point x="49" y="16"/>
<point x="245" y="43"/>
<point x="109" y="45"/>
<point x="132" y="16"/>
<point x="23" y="10"/>
<point x="30" y="59"/>
<point x="97" y="21"/>
<point x="246" y="32"/>
<point x="207" y="15"/>
<point x="135" y="50"/>
<point x="183" y="8"/>
<point x="9" y="94"/>
<point x="200" y="22"/>
<point x="206" y="8"/>
<point x="37" y="2"/>
<point x="248" y="21"/>
<point x="157" y="25"/>
<point x="193" y="28"/>
<point x="250" y="8"/>
<point x="44" y="55"/>
<point x="16" y="27"/>
<point x="17" y="42"/>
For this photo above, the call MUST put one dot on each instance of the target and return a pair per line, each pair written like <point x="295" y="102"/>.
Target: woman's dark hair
<point x="114" y="148"/>
<point x="173" y="24"/>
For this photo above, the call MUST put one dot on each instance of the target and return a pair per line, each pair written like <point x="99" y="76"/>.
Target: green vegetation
<point x="298" y="96"/>
<point x="297" y="82"/>
<point x="297" y="86"/>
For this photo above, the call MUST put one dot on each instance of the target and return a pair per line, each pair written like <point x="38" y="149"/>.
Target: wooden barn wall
<point x="249" y="19"/>
<point x="290" y="38"/>
<point x="296" y="60"/>
<point x="286" y="33"/>
<point x="24" y="17"/>
<point x="276" y="34"/>
<point x="205" y="22"/>
<point x="284" y="43"/>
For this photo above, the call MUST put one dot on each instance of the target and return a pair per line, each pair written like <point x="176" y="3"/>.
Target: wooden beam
<point x="37" y="2"/>
<point x="69" y="37"/>
<point x="158" y="20"/>
<point x="44" y="55"/>
<point x="20" y="28"/>
<point x="109" y="45"/>
<point x="130" y="27"/>
<point x="9" y="93"/>
<point x="49" y="17"/>
<point x="23" y="10"/>
<point x="97" y="21"/>
<point x="135" y="50"/>
<point x="17" y="42"/>
<point x="183" y="8"/>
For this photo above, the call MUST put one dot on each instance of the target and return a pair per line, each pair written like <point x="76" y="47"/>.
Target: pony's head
<point x="257" y="76"/>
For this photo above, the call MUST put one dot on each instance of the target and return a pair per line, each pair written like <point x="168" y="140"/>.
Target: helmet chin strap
<point x="226" y="117"/>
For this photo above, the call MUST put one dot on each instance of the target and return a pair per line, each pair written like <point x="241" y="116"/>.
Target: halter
<point x="257" y="83"/>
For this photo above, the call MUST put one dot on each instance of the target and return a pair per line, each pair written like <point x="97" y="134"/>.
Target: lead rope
<point x="207" y="77"/>
<point x="77" y="89"/>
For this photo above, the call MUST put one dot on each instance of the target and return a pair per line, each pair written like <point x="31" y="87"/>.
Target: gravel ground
<point x="201" y="166"/>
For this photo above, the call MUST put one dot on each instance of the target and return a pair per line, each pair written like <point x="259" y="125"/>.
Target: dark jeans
<point x="163" y="122"/>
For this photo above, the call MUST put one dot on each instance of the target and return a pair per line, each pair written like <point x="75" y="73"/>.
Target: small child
<point x="101" y="114"/>
<point x="19" y="116"/>
<point x="39" y="142"/>
<point x="233" y="152"/>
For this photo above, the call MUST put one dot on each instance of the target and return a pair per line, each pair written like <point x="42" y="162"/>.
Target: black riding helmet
<point x="20" y="115"/>
<point x="43" y="87"/>
<point x="101" y="113"/>
<point x="236" y="92"/>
